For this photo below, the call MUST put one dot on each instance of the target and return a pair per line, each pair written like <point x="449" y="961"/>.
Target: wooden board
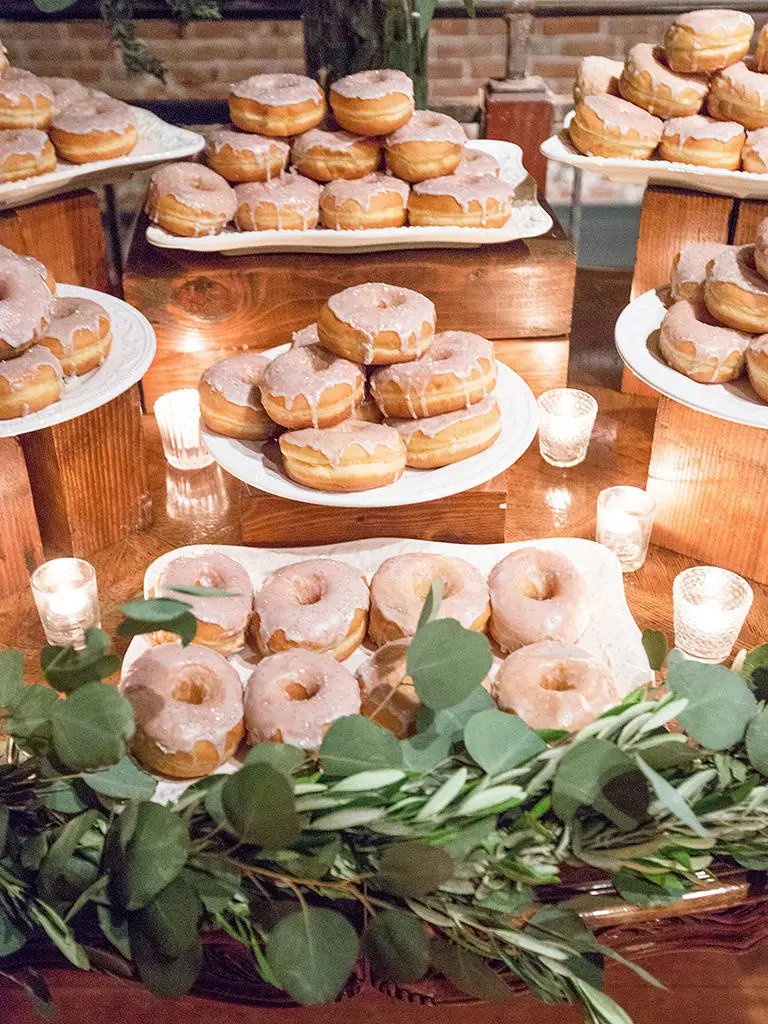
<point x="21" y="549"/>
<point x="749" y="213"/>
<point x="542" y="363"/>
<point x="525" y="118"/>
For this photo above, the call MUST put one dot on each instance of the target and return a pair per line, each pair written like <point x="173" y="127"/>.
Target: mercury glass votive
<point x="566" y="419"/>
<point x="178" y="418"/>
<point x="67" y="600"/>
<point x="710" y="605"/>
<point x="624" y="524"/>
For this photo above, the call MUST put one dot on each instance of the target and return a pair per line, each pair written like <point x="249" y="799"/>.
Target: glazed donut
<point x="757" y="365"/>
<point x="372" y="102"/>
<point x="238" y="156"/>
<point x="65" y="92"/>
<point x="24" y="306"/>
<point x="4" y="62"/>
<point x="735" y="293"/>
<point x="647" y="82"/>
<point x="306" y="336"/>
<point x="94" y="129"/>
<point x="377" y="324"/>
<point x="597" y="76"/>
<point x="375" y="201"/>
<point x="31" y="264"/>
<point x="276" y="104"/>
<point x="320" y="604"/>
<point x="353" y="456"/>
<point x="761" y="248"/>
<point x="324" y="156"/>
<point x="29" y="383"/>
<point x="430" y="145"/>
<point x="295" y="696"/>
<point x="707" y="40"/>
<point x="470" y="201"/>
<point x="188" y="708"/>
<point x="387" y="693"/>
<point x="308" y="386"/>
<point x="704" y="141"/>
<point x="476" y="163"/>
<point x="189" y="200"/>
<point x="79" y="335"/>
<point x="608" y="126"/>
<point x="25" y="101"/>
<point x="25" y="153"/>
<point x="754" y="156"/>
<point x="537" y="595"/>
<point x="695" y="344"/>
<point x="221" y="621"/>
<point x="555" y="686"/>
<point x="760" y="56"/>
<point x="368" y="411"/>
<point x="400" y="586"/>
<point x="287" y="203"/>
<point x="457" y="369"/>
<point x="230" y="402"/>
<point x="739" y="94"/>
<point x="689" y="269"/>
<point x="441" y="440"/>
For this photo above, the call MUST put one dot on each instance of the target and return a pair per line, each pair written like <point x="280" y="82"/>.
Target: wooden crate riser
<point x="21" y="549"/>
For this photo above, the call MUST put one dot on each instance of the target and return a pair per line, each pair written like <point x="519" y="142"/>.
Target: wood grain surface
<point x="21" y="549"/>
<point x="524" y="118"/>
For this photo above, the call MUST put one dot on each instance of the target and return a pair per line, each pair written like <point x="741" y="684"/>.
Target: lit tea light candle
<point x="566" y="419"/>
<point x="178" y="418"/>
<point x="624" y="524"/>
<point x="710" y="605"/>
<point x="67" y="600"/>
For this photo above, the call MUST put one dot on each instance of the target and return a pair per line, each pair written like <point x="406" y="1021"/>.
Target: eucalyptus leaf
<point x="202" y="592"/>
<point x="596" y="774"/>
<point x="214" y="884"/>
<point x="67" y="842"/>
<point x="498" y="741"/>
<point x="754" y="671"/>
<point x="53" y="6"/>
<point x="5" y="815"/>
<point x="281" y="756"/>
<point x="170" y="921"/>
<point x="432" y="603"/>
<point x="641" y="891"/>
<point x="447" y="662"/>
<point x="669" y="751"/>
<point x="122" y="781"/>
<point x="655" y="644"/>
<point x="396" y="946"/>
<point x="164" y="976"/>
<point x="11" y="676"/>
<point x="311" y="953"/>
<point x="355" y="744"/>
<point x="66" y="669"/>
<point x="90" y="728"/>
<point x="602" y="1009"/>
<point x="468" y="972"/>
<point x="155" y="610"/>
<point x="147" y="846"/>
<point x="425" y="751"/>
<point x="757" y="742"/>
<point x="114" y="925"/>
<point x="720" y="704"/>
<point x="450" y="722"/>
<point x="184" y="626"/>
<point x="667" y="795"/>
<point x="30" y="716"/>
<point x="12" y="938"/>
<point x="413" y="869"/>
<point x="259" y="803"/>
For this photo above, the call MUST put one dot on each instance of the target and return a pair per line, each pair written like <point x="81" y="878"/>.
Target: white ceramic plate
<point x="739" y="184"/>
<point x="519" y="421"/>
<point x="526" y="221"/>
<point x="133" y="348"/>
<point x="158" y="142"/>
<point x="636" y="340"/>
<point x="612" y="635"/>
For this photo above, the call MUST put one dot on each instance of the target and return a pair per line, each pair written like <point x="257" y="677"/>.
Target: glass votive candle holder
<point x="178" y="419"/>
<point x="624" y="524"/>
<point x="566" y="419"/>
<point x="67" y="600"/>
<point x="710" y="607"/>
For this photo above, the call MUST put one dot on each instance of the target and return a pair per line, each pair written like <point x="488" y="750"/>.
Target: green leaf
<point x="311" y="953"/>
<point x="36" y="989"/>
<point x="413" y="869"/>
<point x="67" y="842"/>
<point x="259" y="804"/>
<point x="281" y="756"/>
<point x="601" y="1008"/>
<point x="720" y="704"/>
<point x="12" y="938"/>
<point x="115" y="928"/>
<point x="11" y="676"/>
<point x="447" y="662"/>
<point x="156" y="610"/>
<point x="170" y="921"/>
<point x="642" y="892"/>
<point x="33" y="850"/>
<point x="5" y="815"/>
<point x="451" y="721"/>
<point x="425" y="751"/>
<point x="755" y="671"/>
<point x="757" y="742"/>
<point x="30" y="715"/>
<point x="164" y="976"/>
<point x="499" y="742"/>
<point x="596" y="774"/>
<point x="90" y="728"/>
<point x="667" y="795"/>
<point x="65" y="668"/>
<point x="122" y="781"/>
<point x="355" y="744"/>
<point x="671" y="751"/>
<point x="203" y="592"/>
<point x="185" y="627"/>
<point x="551" y="736"/>
<point x="53" y="6"/>
<point x="215" y="885"/>
<point x="432" y="603"/>
<point x="396" y="946"/>
<point x="147" y="846"/>
<point x="468" y="972"/>
<point x="655" y="644"/>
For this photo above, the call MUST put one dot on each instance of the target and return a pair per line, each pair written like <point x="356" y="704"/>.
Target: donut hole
<point x="192" y="687"/>
<point x="558" y="680"/>
<point x="422" y="585"/>
<point x="209" y="579"/>
<point x="541" y="587"/>
<point x="391" y="303"/>
<point x="295" y="691"/>
<point x="309" y="591"/>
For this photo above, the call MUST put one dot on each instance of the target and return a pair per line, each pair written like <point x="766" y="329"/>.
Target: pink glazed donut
<point x="190" y="200"/>
<point x="537" y="595"/>
<point x="295" y="696"/>
<point x="25" y="303"/>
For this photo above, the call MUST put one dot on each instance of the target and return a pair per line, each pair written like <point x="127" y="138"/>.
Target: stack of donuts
<point x="43" y="339"/>
<point x="335" y="176"/>
<point x="426" y="402"/>
<point x="697" y="99"/>
<point x="309" y="616"/>
<point x="718" y="323"/>
<point x="42" y="118"/>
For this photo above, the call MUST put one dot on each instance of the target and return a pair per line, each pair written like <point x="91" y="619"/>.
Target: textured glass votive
<point x="566" y="420"/>
<point x="710" y="608"/>
<point x="199" y="496"/>
<point x="67" y="600"/>
<point x="178" y="417"/>
<point x="624" y="524"/>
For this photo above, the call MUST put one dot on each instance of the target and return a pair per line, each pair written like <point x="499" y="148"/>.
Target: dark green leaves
<point x="11" y="676"/>
<point x="451" y="721"/>
<point x="311" y="953"/>
<point x="147" y="846"/>
<point x="163" y="922"/>
<point x="498" y="742"/>
<point x="720" y="704"/>
<point x="641" y="891"/>
<point x="757" y="742"/>
<point x="122" y="781"/>
<point x="655" y="644"/>
<point x="396" y="946"/>
<point x="447" y="662"/>
<point x="158" y="613"/>
<point x="169" y="922"/>
<point x="596" y="774"/>
<point x="90" y="728"/>
<point x="667" y="795"/>
<point x="755" y="671"/>
<point x="66" y="669"/>
<point x="12" y="937"/>
<point x="413" y="869"/>
<point x="29" y="716"/>
<point x="259" y="806"/>
<point x="53" y="6"/>
<point x="354" y="744"/>
<point x="281" y="756"/>
<point x="469" y="972"/>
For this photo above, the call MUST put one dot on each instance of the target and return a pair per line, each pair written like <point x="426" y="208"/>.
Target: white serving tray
<point x="527" y="220"/>
<point x="739" y="184"/>
<point x="612" y="635"/>
<point x="258" y="464"/>
<point x="132" y="351"/>
<point x="637" y="342"/>
<point x="158" y="142"/>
